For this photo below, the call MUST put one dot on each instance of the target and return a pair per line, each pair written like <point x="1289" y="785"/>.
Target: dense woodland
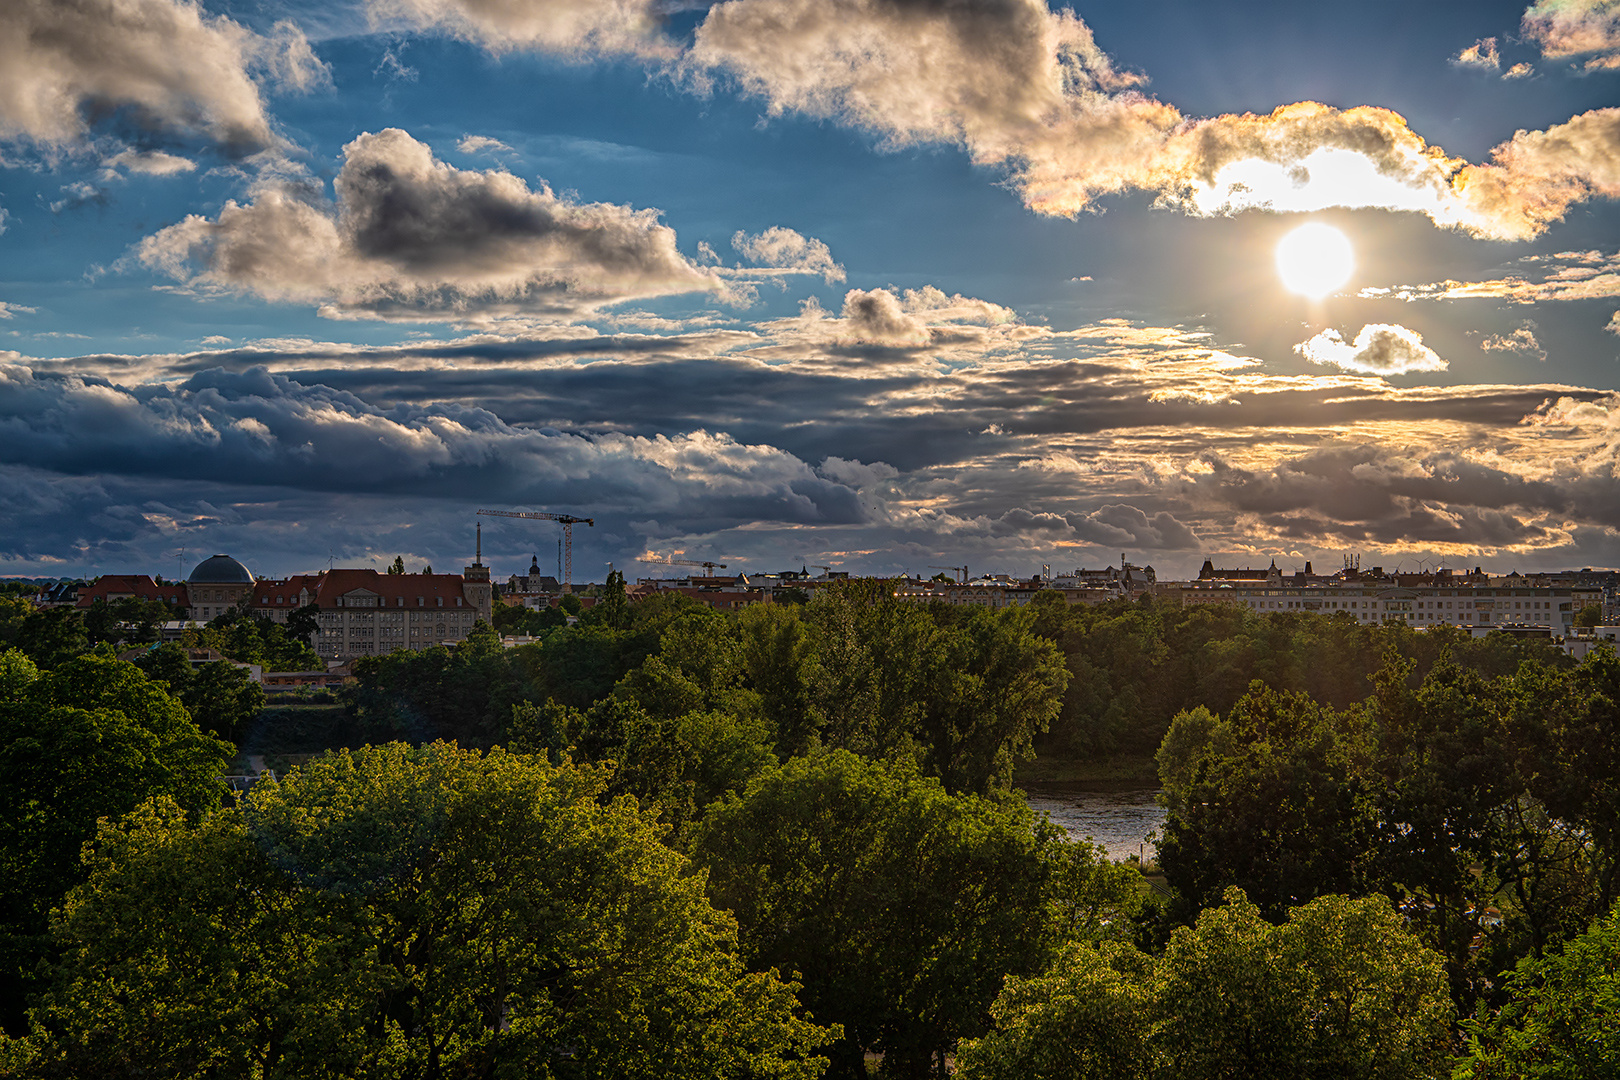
<point x="789" y="843"/>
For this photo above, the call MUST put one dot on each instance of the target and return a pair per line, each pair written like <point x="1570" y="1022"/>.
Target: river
<point x="1120" y="821"/>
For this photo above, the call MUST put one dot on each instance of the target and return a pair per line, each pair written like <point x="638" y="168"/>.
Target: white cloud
<point x="788" y="250"/>
<point x="146" y="162"/>
<point x="481" y="144"/>
<point x="577" y="29"/>
<point x="9" y="311"/>
<point x="1379" y="349"/>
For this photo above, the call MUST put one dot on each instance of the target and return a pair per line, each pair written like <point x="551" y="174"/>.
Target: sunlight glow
<point x="1314" y="260"/>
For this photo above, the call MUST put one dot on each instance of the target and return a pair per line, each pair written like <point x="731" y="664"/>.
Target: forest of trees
<point x="788" y="842"/>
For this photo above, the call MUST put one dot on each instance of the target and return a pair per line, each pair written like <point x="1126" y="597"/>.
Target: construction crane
<point x="955" y="570"/>
<point x="670" y="560"/>
<point x="567" y="521"/>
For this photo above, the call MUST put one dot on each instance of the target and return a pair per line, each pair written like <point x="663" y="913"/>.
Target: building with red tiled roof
<point x="364" y="613"/>
<point x="110" y="587"/>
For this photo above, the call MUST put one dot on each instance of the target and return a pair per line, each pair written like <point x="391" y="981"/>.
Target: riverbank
<point x="1101" y="774"/>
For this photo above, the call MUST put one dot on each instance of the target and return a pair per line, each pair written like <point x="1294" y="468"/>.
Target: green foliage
<point x="1590" y="615"/>
<point x="900" y="906"/>
<point x="465" y="694"/>
<point x="50" y="636"/>
<point x="130" y="619"/>
<point x="1487" y="807"/>
<point x="397" y="912"/>
<point x="91" y="738"/>
<point x="1559" y="1020"/>
<point x="531" y="622"/>
<point x="1275" y="799"/>
<point x="1341" y="990"/>
<point x="222" y="699"/>
<point x="1134" y="666"/>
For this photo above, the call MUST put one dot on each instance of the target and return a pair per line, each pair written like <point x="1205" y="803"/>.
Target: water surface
<point x="1121" y="821"/>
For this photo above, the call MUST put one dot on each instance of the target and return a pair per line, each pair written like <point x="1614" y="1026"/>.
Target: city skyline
<point x="875" y="284"/>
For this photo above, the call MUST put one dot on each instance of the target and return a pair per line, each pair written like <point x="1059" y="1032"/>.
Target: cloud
<point x="1567" y="275"/>
<point x="1521" y="70"/>
<point x="163" y="65"/>
<point x="784" y="248"/>
<point x="1481" y="54"/>
<point x="1614" y="324"/>
<point x="1565" y="28"/>
<point x="1522" y="341"/>
<point x="146" y="162"/>
<point x="8" y="311"/>
<point x="577" y="29"/>
<point x="1027" y="90"/>
<point x="1379" y="349"/>
<point x="1536" y="176"/>
<point x="879" y="329"/>
<point x="481" y="144"/>
<point x="77" y="194"/>
<point x="412" y="238"/>
<point x="259" y="429"/>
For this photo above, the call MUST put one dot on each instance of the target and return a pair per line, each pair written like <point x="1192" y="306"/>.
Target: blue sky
<point x="877" y="284"/>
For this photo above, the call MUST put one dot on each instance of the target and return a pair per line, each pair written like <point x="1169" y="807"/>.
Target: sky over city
<point x="879" y="285"/>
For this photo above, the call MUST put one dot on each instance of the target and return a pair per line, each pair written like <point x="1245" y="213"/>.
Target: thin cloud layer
<point x="577" y="29"/>
<point x="1379" y="349"/>
<point x="409" y="237"/>
<point x="1567" y="275"/>
<point x="65" y="64"/>
<point x="1573" y="28"/>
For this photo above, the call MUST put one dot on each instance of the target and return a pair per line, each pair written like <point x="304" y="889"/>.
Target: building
<point x="1444" y="602"/>
<point x="275" y="600"/>
<point x="109" y="588"/>
<point x="216" y="586"/>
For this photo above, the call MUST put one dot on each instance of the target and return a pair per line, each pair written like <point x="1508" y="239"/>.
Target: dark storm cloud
<point x="1414" y="496"/>
<point x="259" y="429"/>
<point x="64" y="64"/>
<point x="410" y="237"/>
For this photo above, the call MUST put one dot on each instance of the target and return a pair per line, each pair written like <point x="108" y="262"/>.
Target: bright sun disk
<point x="1314" y="260"/>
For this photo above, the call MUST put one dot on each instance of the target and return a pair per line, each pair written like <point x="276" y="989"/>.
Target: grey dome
<point x="220" y="570"/>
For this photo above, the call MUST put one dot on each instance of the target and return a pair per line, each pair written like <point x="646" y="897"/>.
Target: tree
<point x="53" y="636"/>
<point x="1590" y="615"/>
<point x="997" y="685"/>
<point x="1275" y="799"/>
<point x="1559" y="1019"/>
<point x="222" y="699"/>
<point x="303" y="623"/>
<point x="395" y="912"/>
<point x="900" y="906"/>
<point x="89" y="739"/>
<point x="612" y="609"/>
<point x="398" y="565"/>
<point x="1087" y="1017"/>
<point x="1341" y="991"/>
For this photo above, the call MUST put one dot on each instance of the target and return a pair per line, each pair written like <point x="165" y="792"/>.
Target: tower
<point x="475" y="582"/>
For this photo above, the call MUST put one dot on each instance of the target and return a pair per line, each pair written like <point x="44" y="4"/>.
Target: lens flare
<point x="1314" y="260"/>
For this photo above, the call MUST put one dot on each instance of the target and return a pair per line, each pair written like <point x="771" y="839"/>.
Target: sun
<point x="1315" y="259"/>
